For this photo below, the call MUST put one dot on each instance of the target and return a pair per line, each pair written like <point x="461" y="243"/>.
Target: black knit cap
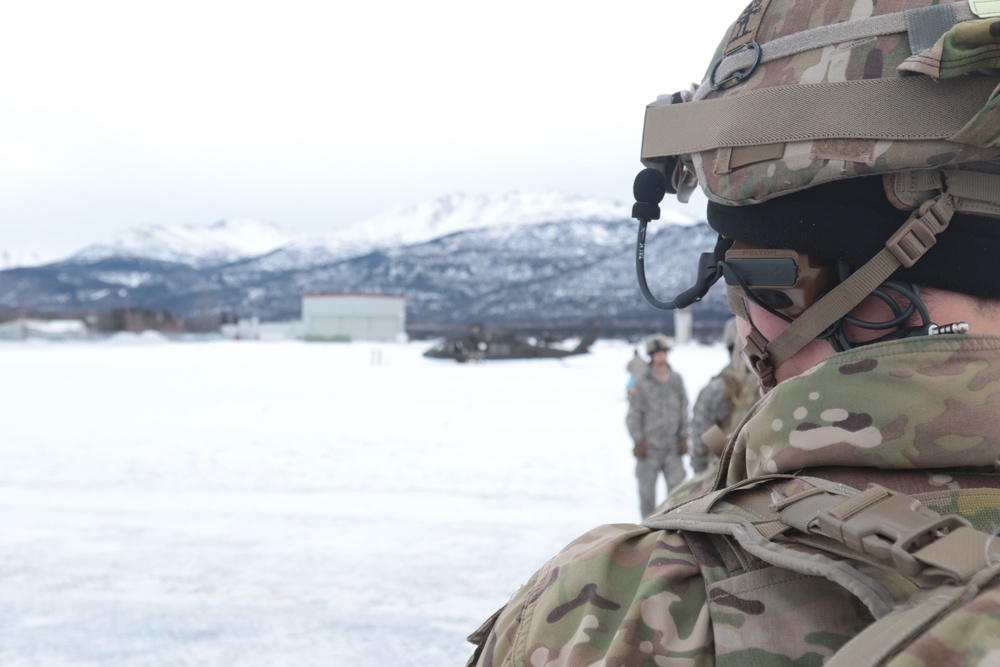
<point x="851" y="220"/>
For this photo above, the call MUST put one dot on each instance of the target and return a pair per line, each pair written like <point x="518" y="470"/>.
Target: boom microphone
<point x="649" y="187"/>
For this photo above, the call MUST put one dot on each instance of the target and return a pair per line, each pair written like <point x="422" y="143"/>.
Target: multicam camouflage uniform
<point x="919" y="416"/>
<point x="657" y="418"/>
<point x="968" y="48"/>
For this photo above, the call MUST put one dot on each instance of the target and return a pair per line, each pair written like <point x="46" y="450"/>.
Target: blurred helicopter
<point x="479" y="345"/>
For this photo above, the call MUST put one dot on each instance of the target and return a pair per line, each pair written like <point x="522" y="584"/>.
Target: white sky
<point x="320" y="114"/>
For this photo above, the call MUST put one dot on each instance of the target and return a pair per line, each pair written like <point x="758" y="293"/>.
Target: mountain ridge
<point x="458" y="259"/>
<point x="233" y="239"/>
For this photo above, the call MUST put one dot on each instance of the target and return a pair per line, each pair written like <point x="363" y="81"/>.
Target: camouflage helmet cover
<point x="802" y="93"/>
<point x="656" y="343"/>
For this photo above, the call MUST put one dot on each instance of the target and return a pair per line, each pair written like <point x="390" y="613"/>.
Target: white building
<point x="683" y="326"/>
<point x="253" y="329"/>
<point x="377" y="317"/>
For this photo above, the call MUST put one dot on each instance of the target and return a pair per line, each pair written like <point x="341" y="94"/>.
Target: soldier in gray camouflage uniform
<point x="657" y="420"/>
<point x="850" y="151"/>
<point x="721" y="404"/>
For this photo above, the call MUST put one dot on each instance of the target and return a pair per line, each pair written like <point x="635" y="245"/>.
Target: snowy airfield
<point x="285" y="503"/>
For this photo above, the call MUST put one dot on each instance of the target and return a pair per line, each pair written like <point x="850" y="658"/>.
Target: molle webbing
<point x="753" y="528"/>
<point x="973" y="191"/>
<point x="910" y="108"/>
<point x="884" y="638"/>
<point x="941" y="554"/>
<point x="922" y="24"/>
<point x="924" y="545"/>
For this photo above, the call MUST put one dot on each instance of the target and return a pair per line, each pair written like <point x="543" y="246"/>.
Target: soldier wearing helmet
<point x="850" y="151"/>
<point x="721" y="404"/>
<point x="657" y="421"/>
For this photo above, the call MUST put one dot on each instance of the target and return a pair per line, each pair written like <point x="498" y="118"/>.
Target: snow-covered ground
<point x="240" y="503"/>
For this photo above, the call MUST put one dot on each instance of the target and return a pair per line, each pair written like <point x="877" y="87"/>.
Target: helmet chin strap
<point x="904" y="248"/>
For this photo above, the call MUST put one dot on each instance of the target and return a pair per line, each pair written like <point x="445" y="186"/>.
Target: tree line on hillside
<point x="134" y="320"/>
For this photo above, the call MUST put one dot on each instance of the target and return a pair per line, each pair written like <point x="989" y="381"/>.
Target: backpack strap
<point x="878" y="527"/>
<point x="896" y="531"/>
<point x="890" y="634"/>
<point x="742" y="512"/>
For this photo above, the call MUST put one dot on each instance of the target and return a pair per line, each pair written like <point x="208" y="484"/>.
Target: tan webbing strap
<point x="827" y="35"/>
<point x="741" y="156"/>
<point x="846" y="509"/>
<point x="736" y="305"/>
<point x="962" y="553"/>
<point x="705" y="502"/>
<point x="867" y="589"/>
<point x="904" y="248"/>
<point x="876" y="525"/>
<point x="801" y="511"/>
<point x="975" y="190"/>
<point x="754" y="537"/>
<point x="701" y="503"/>
<point x="894" y="530"/>
<point x="910" y="108"/>
<point x="921" y="180"/>
<point x="976" y="185"/>
<point x="959" y="183"/>
<point x="888" y="635"/>
<point x="754" y="344"/>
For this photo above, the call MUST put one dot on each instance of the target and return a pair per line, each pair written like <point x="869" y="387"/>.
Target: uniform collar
<point x="929" y="402"/>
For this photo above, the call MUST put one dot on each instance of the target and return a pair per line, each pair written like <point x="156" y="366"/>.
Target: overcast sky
<point x="319" y="114"/>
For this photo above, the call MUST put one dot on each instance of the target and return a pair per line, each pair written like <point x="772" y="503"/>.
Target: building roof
<point x="314" y="295"/>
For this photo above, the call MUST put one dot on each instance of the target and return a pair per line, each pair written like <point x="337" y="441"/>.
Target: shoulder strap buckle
<point x="888" y="526"/>
<point x="919" y="233"/>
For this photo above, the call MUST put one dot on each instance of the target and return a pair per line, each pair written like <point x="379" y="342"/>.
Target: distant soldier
<point x="636" y="368"/>
<point x="658" y="423"/>
<point x="721" y="404"/>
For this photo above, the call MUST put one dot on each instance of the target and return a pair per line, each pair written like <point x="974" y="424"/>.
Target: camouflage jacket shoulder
<point x="904" y="413"/>
<point x="922" y="403"/>
<point x="620" y="594"/>
<point x="722" y="402"/>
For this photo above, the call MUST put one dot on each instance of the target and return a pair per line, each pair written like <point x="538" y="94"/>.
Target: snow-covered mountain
<point x="447" y="215"/>
<point x="515" y="258"/>
<point x="272" y="248"/>
<point x="223" y="242"/>
<point x="461" y="213"/>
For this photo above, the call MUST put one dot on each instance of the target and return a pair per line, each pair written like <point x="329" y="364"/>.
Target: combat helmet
<point x="656" y="343"/>
<point x="849" y="130"/>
